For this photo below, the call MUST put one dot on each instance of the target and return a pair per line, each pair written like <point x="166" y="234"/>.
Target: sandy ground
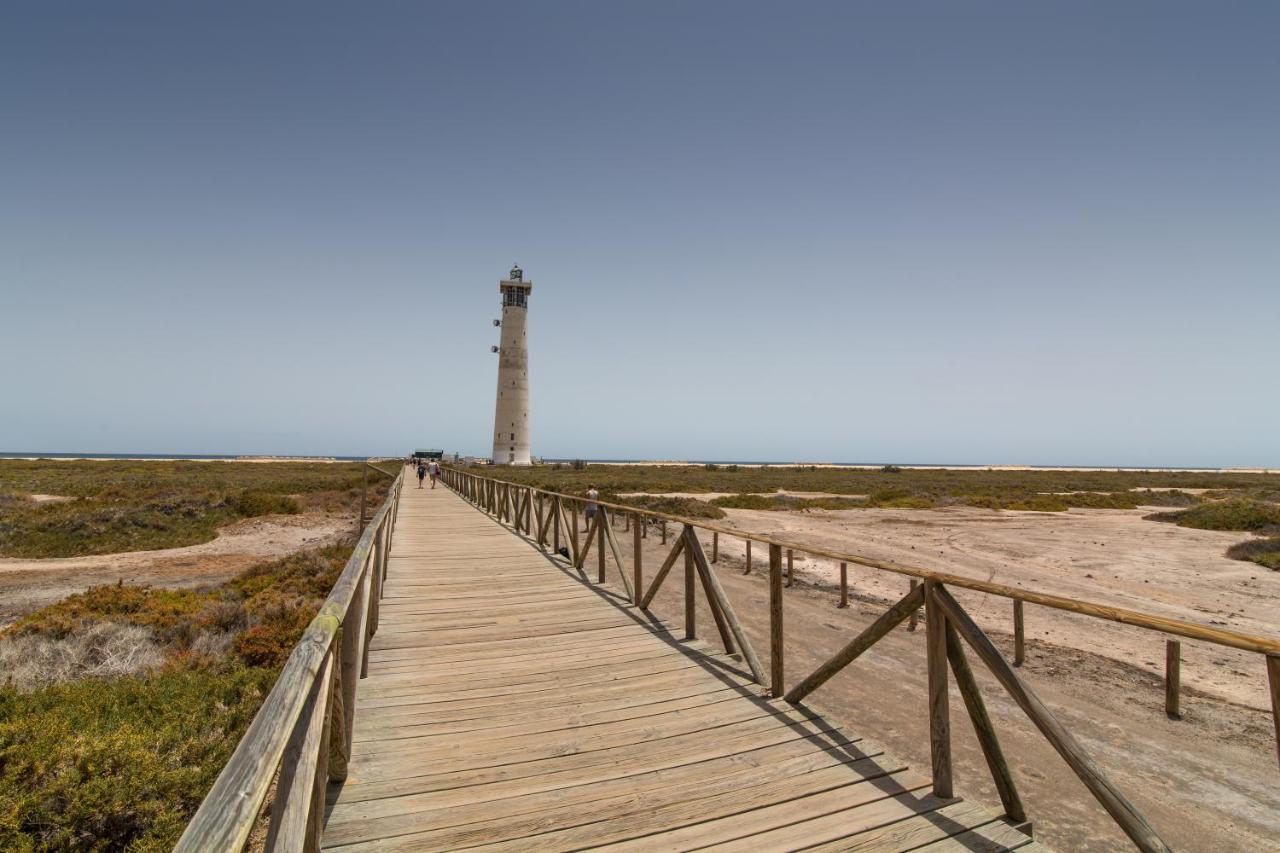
<point x="1105" y="556"/>
<point x="1206" y="782"/>
<point x="26" y="584"/>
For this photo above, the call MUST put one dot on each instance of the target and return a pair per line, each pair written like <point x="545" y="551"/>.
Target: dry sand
<point x="26" y="584"/>
<point x="1106" y="556"/>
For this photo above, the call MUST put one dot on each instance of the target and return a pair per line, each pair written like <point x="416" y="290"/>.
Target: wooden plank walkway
<point x="510" y="704"/>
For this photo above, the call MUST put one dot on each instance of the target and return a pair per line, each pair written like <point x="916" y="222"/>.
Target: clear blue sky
<point x="919" y="232"/>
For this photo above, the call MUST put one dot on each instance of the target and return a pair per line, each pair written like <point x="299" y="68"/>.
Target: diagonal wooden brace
<point x="662" y="573"/>
<point x="888" y="620"/>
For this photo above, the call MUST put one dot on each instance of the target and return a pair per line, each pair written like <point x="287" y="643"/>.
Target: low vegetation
<point x="684" y="507"/>
<point x="1244" y="514"/>
<point x="1237" y="514"/>
<point x="111" y="507"/>
<point x="919" y="482"/>
<point x="119" y="706"/>
<point x="1264" y="552"/>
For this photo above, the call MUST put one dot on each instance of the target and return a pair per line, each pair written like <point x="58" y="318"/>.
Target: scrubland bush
<point x="102" y="650"/>
<point x="117" y="764"/>
<point x="686" y="507"/>
<point x="1236" y="514"/>
<point x="128" y="506"/>
<point x="1264" y="552"/>
<point x="120" y="705"/>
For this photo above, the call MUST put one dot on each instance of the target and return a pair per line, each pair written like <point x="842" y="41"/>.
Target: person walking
<point x="422" y="473"/>
<point x="433" y="468"/>
<point x="593" y="495"/>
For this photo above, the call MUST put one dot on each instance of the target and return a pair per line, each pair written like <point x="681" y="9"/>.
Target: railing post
<point x="747" y="570"/>
<point x="1273" y="682"/>
<point x="364" y="496"/>
<point x="573" y="533"/>
<point x="844" y="585"/>
<point x="690" y="614"/>
<point x="776" y="653"/>
<point x="939" y="708"/>
<point x="1019" y="634"/>
<point x="600" y="534"/>
<point x="555" y="524"/>
<point x="1172" y="678"/>
<point x="715" y="546"/>
<point x="637" y="573"/>
<point x="790" y="569"/>
<point x="915" y="616"/>
<point x="664" y="531"/>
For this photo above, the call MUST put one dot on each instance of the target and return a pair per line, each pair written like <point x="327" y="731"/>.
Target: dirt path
<point x="26" y="584"/>
<point x="1206" y="782"/>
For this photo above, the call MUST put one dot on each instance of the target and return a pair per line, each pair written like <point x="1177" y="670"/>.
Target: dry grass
<point x="101" y="650"/>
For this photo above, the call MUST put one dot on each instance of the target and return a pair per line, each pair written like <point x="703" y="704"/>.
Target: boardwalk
<point x="511" y="705"/>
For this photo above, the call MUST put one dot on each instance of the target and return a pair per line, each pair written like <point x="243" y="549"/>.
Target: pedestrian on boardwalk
<point x="433" y="468"/>
<point x="592" y="496"/>
<point x="422" y="472"/>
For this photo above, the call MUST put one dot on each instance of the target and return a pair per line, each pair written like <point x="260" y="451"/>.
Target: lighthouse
<point x="511" y="412"/>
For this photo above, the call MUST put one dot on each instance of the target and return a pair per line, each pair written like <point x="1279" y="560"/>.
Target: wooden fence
<point x="303" y="729"/>
<point x="552" y="520"/>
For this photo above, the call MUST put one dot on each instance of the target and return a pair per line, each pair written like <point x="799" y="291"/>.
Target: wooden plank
<point x="994" y="836"/>
<point x="908" y="834"/>
<point x="753" y="736"/>
<point x="616" y="809"/>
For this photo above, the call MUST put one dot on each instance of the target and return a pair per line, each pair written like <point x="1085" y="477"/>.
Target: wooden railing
<point x="551" y="519"/>
<point x="303" y="729"/>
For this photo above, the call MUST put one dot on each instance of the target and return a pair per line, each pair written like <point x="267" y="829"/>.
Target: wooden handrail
<point x="1163" y="624"/>
<point x="303" y="717"/>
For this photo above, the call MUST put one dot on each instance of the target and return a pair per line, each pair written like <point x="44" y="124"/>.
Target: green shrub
<point x="110" y="765"/>
<point x="748" y="502"/>
<point x="1237" y="514"/>
<point x="685" y="507"/>
<point x="1264" y="552"/>
<point x="134" y="506"/>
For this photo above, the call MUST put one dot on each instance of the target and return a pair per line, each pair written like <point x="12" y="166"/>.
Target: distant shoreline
<point x="175" y="457"/>
<point x="875" y="466"/>
<point x="674" y="463"/>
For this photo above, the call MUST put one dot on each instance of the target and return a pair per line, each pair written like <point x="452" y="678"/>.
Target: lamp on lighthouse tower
<point x="511" y="410"/>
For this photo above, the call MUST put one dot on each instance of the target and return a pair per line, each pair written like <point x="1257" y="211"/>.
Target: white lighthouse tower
<point x="511" y="412"/>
